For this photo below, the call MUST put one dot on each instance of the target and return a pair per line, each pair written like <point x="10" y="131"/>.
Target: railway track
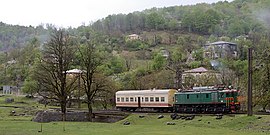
<point x="197" y="114"/>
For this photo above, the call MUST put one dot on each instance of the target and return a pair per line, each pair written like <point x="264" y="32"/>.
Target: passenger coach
<point x="156" y="99"/>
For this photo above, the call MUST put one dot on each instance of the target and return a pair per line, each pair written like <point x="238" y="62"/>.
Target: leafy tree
<point x="262" y="72"/>
<point x="30" y="87"/>
<point x="187" y="43"/>
<point x="159" y="62"/>
<point x="155" y="21"/>
<point x="198" y="54"/>
<point x="201" y="21"/>
<point x="195" y="64"/>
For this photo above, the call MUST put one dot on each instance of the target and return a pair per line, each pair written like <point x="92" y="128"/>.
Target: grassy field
<point x="149" y="125"/>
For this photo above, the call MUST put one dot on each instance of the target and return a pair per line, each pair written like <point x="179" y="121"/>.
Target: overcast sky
<point x="73" y="13"/>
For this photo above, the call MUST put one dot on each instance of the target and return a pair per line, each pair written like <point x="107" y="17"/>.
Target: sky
<point x="66" y="13"/>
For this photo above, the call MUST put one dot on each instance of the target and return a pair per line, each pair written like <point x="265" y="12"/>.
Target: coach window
<point x="187" y="96"/>
<point x="197" y="96"/>
<point x="135" y="99"/>
<point x="207" y="95"/>
<point x="157" y="99"/>
<point x="146" y="99"/>
<point x="162" y="99"/>
<point x="118" y="99"/>
<point x="131" y="99"/>
<point x="122" y="99"/>
<point x="127" y="99"/>
<point x="151" y="99"/>
<point x="142" y="99"/>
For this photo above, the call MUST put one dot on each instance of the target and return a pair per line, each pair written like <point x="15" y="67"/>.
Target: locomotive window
<point x="151" y="99"/>
<point x="157" y="99"/>
<point x="131" y="99"/>
<point x="187" y="96"/>
<point x="222" y="95"/>
<point x="197" y="96"/>
<point x="207" y="95"/>
<point x="162" y="99"/>
<point x="127" y="99"/>
<point x="122" y="99"/>
<point x="227" y="94"/>
<point x="118" y="99"/>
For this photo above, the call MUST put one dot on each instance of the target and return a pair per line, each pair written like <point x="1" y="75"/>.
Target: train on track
<point x="196" y="100"/>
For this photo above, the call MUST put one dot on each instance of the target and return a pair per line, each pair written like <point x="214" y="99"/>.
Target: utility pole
<point x="250" y="112"/>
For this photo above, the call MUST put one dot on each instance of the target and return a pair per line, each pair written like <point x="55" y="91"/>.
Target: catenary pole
<point x="249" y="112"/>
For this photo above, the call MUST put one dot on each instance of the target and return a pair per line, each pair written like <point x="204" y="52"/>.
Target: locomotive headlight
<point x="221" y="101"/>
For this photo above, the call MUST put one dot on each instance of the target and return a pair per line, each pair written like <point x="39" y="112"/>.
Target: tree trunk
<point x="63" y="110"/>
<point x="90" y="111"/>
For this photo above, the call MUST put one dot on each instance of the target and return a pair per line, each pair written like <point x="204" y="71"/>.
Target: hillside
<point x="233" y="19"/>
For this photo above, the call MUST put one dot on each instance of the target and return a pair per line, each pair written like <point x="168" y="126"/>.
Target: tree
<point x="91" y="57"/>
<point x="159" y="62"/>
<point x="262" y="72"/>
<point x="177" y="63"/>
<point x="155" y="21"/>
<point x="30" y="87"/>
<point x="106" y="89"/>
<point x="51" y="70"/>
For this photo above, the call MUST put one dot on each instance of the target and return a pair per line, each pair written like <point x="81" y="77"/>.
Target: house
<point x="11" y="62"/>
<point x="134" y="37"/>
<point x="201" y="77"/>
<point x="11" y="90"/>
<point x="220" y="49"/>
<point x="165" y="53"/>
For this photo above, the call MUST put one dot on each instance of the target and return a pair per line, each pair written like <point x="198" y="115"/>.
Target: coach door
<point x="139" y="102"/>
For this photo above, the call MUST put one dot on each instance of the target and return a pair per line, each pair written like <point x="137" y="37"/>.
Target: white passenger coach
<point x="156" y="99"/>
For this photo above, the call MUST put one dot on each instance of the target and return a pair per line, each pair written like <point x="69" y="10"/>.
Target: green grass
<point x="149" y="125"/>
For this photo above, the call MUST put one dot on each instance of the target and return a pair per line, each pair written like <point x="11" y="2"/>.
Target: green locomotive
<point x="207" y="100"/>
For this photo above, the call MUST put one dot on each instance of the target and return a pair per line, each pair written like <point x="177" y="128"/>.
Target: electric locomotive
<point x="207" y="100"/>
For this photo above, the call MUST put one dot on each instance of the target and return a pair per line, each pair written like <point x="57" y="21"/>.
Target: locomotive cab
<point x="230" y="98"/>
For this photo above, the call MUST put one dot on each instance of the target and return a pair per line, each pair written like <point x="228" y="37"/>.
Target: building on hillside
<point x="200" y="77"/>
<point x="134" y="37"/>
<point x="220" y="49"/>
<point x="11" y="90"/>
<point x="165" y="53"/>
<point x="12" y="62"/>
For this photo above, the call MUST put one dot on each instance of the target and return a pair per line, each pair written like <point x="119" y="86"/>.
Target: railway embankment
<point x="80" y="116"/>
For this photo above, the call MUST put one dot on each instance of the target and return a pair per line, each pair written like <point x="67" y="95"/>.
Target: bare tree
<point x="105" y="89"/>
<point x="51" y="70"/>
<point x="91" y="58"/>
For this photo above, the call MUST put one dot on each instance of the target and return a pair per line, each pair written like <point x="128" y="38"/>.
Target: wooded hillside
<point x="167" y="42"/>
